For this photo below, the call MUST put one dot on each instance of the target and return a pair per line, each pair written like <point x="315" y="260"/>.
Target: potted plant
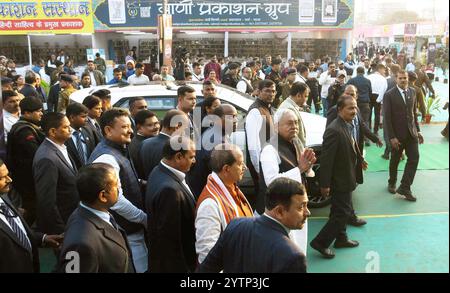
<point x="431" y="105"/>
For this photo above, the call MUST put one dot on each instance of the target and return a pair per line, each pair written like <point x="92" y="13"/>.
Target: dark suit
<point x="171" y="228"/>
<point x="254" y="245"/>
<point x="134" y="150"/>
<point x="30" y="91"/>
<point x="56" y="191"/>
<point x="151" y="152"/>
<point x="14" y="257"/>
<point x="339" y="158"/>
<point x="73" y="151"/>
<point x="400" y="121"/>
<point x="102" y="249"/>
<point x="364" y="131"/>
<point x="94" y="132"/>
<point x="53" y="97"/>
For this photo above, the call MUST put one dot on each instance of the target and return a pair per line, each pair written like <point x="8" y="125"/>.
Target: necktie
<point x="9" y="215"/>
<point x="355" y="129"/>
<point x="113" y="222"/>
<point x="98" y="128"/>
<point x="80" y="147"/>
<point x="405" y="95"/>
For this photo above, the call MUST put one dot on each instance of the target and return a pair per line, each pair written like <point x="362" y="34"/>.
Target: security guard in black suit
<point x="18" y="243"/>
<point x="23" y="141"/>
<point x="339" y="158"/>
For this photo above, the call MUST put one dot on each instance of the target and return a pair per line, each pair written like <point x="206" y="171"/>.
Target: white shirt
<point x="410" y="67"/>
<point x="401" y="93"/>
<point x="180" y="176"/>
<point x="242" y="85"/>
<point x="93" y="81"/>
<point x="62" y="59"/>
<point x="138" y="80"/>
<point x="15" y="219"/>
<point x="300" y="78"/>
<point x="253" y="124"/>
<point x="123" y="206"/>
<point x="8" y="121"/>
<point x="270" y="161"/>
<point x="102" y="215"/>
<point x="325" y="80"/>
<point x="210" y="221"/>
<point x="63" y="150"/>
<point x="379" y="85"/>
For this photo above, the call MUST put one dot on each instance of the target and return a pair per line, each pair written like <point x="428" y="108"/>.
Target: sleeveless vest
<point x="128" y="179"/>
<point x="289" y="154"/>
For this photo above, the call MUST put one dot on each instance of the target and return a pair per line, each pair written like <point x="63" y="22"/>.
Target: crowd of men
<point x="128" y="192"/>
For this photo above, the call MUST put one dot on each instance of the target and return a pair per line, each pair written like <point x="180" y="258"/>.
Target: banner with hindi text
<point x="21" y="17"/>
<point x="225" y="14"/>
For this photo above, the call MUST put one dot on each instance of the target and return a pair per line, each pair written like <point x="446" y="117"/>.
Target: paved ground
<point x="400" y="236"/>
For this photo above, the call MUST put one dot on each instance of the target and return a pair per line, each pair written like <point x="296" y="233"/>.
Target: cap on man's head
<point x="66" y="77"/>
<point x="340" y="62"/>
<point x="30" y="104"/>
<point x="58" y="63"/>
<point x="292" y="59"/>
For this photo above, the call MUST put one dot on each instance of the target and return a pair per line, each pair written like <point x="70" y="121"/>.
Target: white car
<point x="161" y="97"/>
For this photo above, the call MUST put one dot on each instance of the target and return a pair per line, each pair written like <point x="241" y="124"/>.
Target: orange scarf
<point x="234" y="207"/>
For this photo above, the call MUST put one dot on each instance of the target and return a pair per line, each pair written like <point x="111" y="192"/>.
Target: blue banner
<point x="225" y="14"/>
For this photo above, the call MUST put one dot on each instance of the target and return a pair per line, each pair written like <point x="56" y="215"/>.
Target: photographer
<point x="181" y="56"/>
<point x="337" y="89"/>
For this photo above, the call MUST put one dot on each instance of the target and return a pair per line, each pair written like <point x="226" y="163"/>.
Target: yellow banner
<point x="22" y="17"/>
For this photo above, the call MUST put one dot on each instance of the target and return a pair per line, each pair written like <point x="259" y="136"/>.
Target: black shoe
<point x="384" y="156"/>
<point x="346" y="244"/>
<point x="325" y="252"/>
<point x="357" y="222"/>
<point x="392" y="188"/>
<point x="367" y="143"/>
<point x="407" y="194"/>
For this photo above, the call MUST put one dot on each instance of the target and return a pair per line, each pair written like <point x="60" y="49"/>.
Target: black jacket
<point x="254" y="245"/>
<point x="56" y="190"/>
<point x="364" y="87"/>
<point x="23" y="141"/>
<point x="339" y="158"/>
<point x="151" y="153"/>
<point x="101" y="248"/>
<point x="15" y="258"/>
<point x="94" y="133"/>
<point x="171" y="231"/>
<point x="400" y="120"/>
<point x="134" y="150"/>
<point x="72" y="148"/>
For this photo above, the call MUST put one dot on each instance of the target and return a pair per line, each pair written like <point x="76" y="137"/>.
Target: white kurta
<point x="270" y="161"/>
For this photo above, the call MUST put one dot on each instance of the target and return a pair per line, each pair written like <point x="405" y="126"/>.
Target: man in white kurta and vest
<point x="283" y="156"/>
<point x="221" y="200"/>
